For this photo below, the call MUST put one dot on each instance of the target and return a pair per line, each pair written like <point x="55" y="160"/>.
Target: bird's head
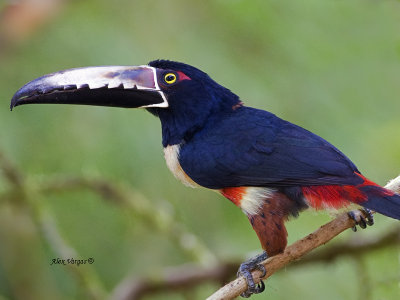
<point x="182" y="96"/>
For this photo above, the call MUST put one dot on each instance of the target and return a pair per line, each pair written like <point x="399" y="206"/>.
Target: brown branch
<point x="190" y="276"/>
<point x="353" y="247"/>
<point x="394" y="185"/>
<point x="10" y="172"/>
<point x="175" y="279"/>
<point x="22" y="193"/>
<point x="160" y="219"/>
<point x="186" y="277"/>
<point x="294" y="252"/>
<point x="86" y="277"/>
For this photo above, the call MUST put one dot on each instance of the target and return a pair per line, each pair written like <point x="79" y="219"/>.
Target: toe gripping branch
<point x="362" y="218"/>
<point x="245" y="271"/>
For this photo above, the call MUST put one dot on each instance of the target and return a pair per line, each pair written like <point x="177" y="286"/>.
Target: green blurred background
<point x="332" y="67"/>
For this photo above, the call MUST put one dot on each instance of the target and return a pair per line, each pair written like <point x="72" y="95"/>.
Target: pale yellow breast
<point x="171" y="154"/>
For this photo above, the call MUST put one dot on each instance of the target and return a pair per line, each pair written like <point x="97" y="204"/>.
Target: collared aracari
<point x="270" y="168"/>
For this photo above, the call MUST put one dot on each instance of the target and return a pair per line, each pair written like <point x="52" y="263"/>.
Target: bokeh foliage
<point x="332" y="67"/>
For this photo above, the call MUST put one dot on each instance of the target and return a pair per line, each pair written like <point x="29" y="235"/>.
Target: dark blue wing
<point x="251" y="147"/>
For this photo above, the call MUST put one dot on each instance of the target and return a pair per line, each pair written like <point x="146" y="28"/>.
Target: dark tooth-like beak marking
<point x="118" y="86"/>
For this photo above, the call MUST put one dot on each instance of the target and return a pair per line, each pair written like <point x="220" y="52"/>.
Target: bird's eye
<point x="170" y="78"/>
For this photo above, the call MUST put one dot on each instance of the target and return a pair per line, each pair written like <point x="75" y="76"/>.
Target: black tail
<point x="382" y="201"/>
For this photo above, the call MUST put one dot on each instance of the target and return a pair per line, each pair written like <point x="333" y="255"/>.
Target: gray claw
<point x="369" y="216"/>
<point x="245" y="271"/>
<point x="362" y="223"/>
<point x="362" y="217"/>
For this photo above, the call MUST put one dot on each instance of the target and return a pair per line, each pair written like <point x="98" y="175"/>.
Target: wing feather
<point x="250" y="147"/>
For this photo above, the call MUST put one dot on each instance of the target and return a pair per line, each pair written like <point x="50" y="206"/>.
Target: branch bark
<point x="353" y="248"/>
<point x="188" y="277"/>
<point x="173" y="279"/>
<point x="161" y="219"/>
<point x="295" y="251"/>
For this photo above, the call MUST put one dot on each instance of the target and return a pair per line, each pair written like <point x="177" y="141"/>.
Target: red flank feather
<point x="337" y="196"/>
<point x="235" y="194"/>
<point x="334" y="196"/>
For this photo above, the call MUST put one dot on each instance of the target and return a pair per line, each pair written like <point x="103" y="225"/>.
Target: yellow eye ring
<point x="170" y="78"/>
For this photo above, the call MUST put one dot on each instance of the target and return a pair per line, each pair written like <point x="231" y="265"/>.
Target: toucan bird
<point x="270" y="168"/>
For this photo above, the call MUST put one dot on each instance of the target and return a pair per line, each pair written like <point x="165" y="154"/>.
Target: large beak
<point x="119" y="86"/>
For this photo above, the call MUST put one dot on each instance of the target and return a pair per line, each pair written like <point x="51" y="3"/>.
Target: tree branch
<point x="189" y="276"/>
<point x="24" y="194"/>
<point x="161" y="219"/>
<point x="352" y="247"/>
<point x="173" y="279"/>
<point x="186" y="277"/>
<point x="295" y="251"/>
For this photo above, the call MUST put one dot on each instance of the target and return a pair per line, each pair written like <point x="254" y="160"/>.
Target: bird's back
<point x="252" y="147"/>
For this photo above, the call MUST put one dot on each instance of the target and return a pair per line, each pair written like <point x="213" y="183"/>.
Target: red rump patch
<point x="183" y="76"/>
<point x="337" y="196"/>
<point x="334" y="196"/>
<point x="382" y="190"/>
<point x="235" y="194"/>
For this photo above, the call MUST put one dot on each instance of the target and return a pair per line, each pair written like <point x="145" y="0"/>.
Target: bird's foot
<point x="362" y="217"/>
<point x="245" y="271"/>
